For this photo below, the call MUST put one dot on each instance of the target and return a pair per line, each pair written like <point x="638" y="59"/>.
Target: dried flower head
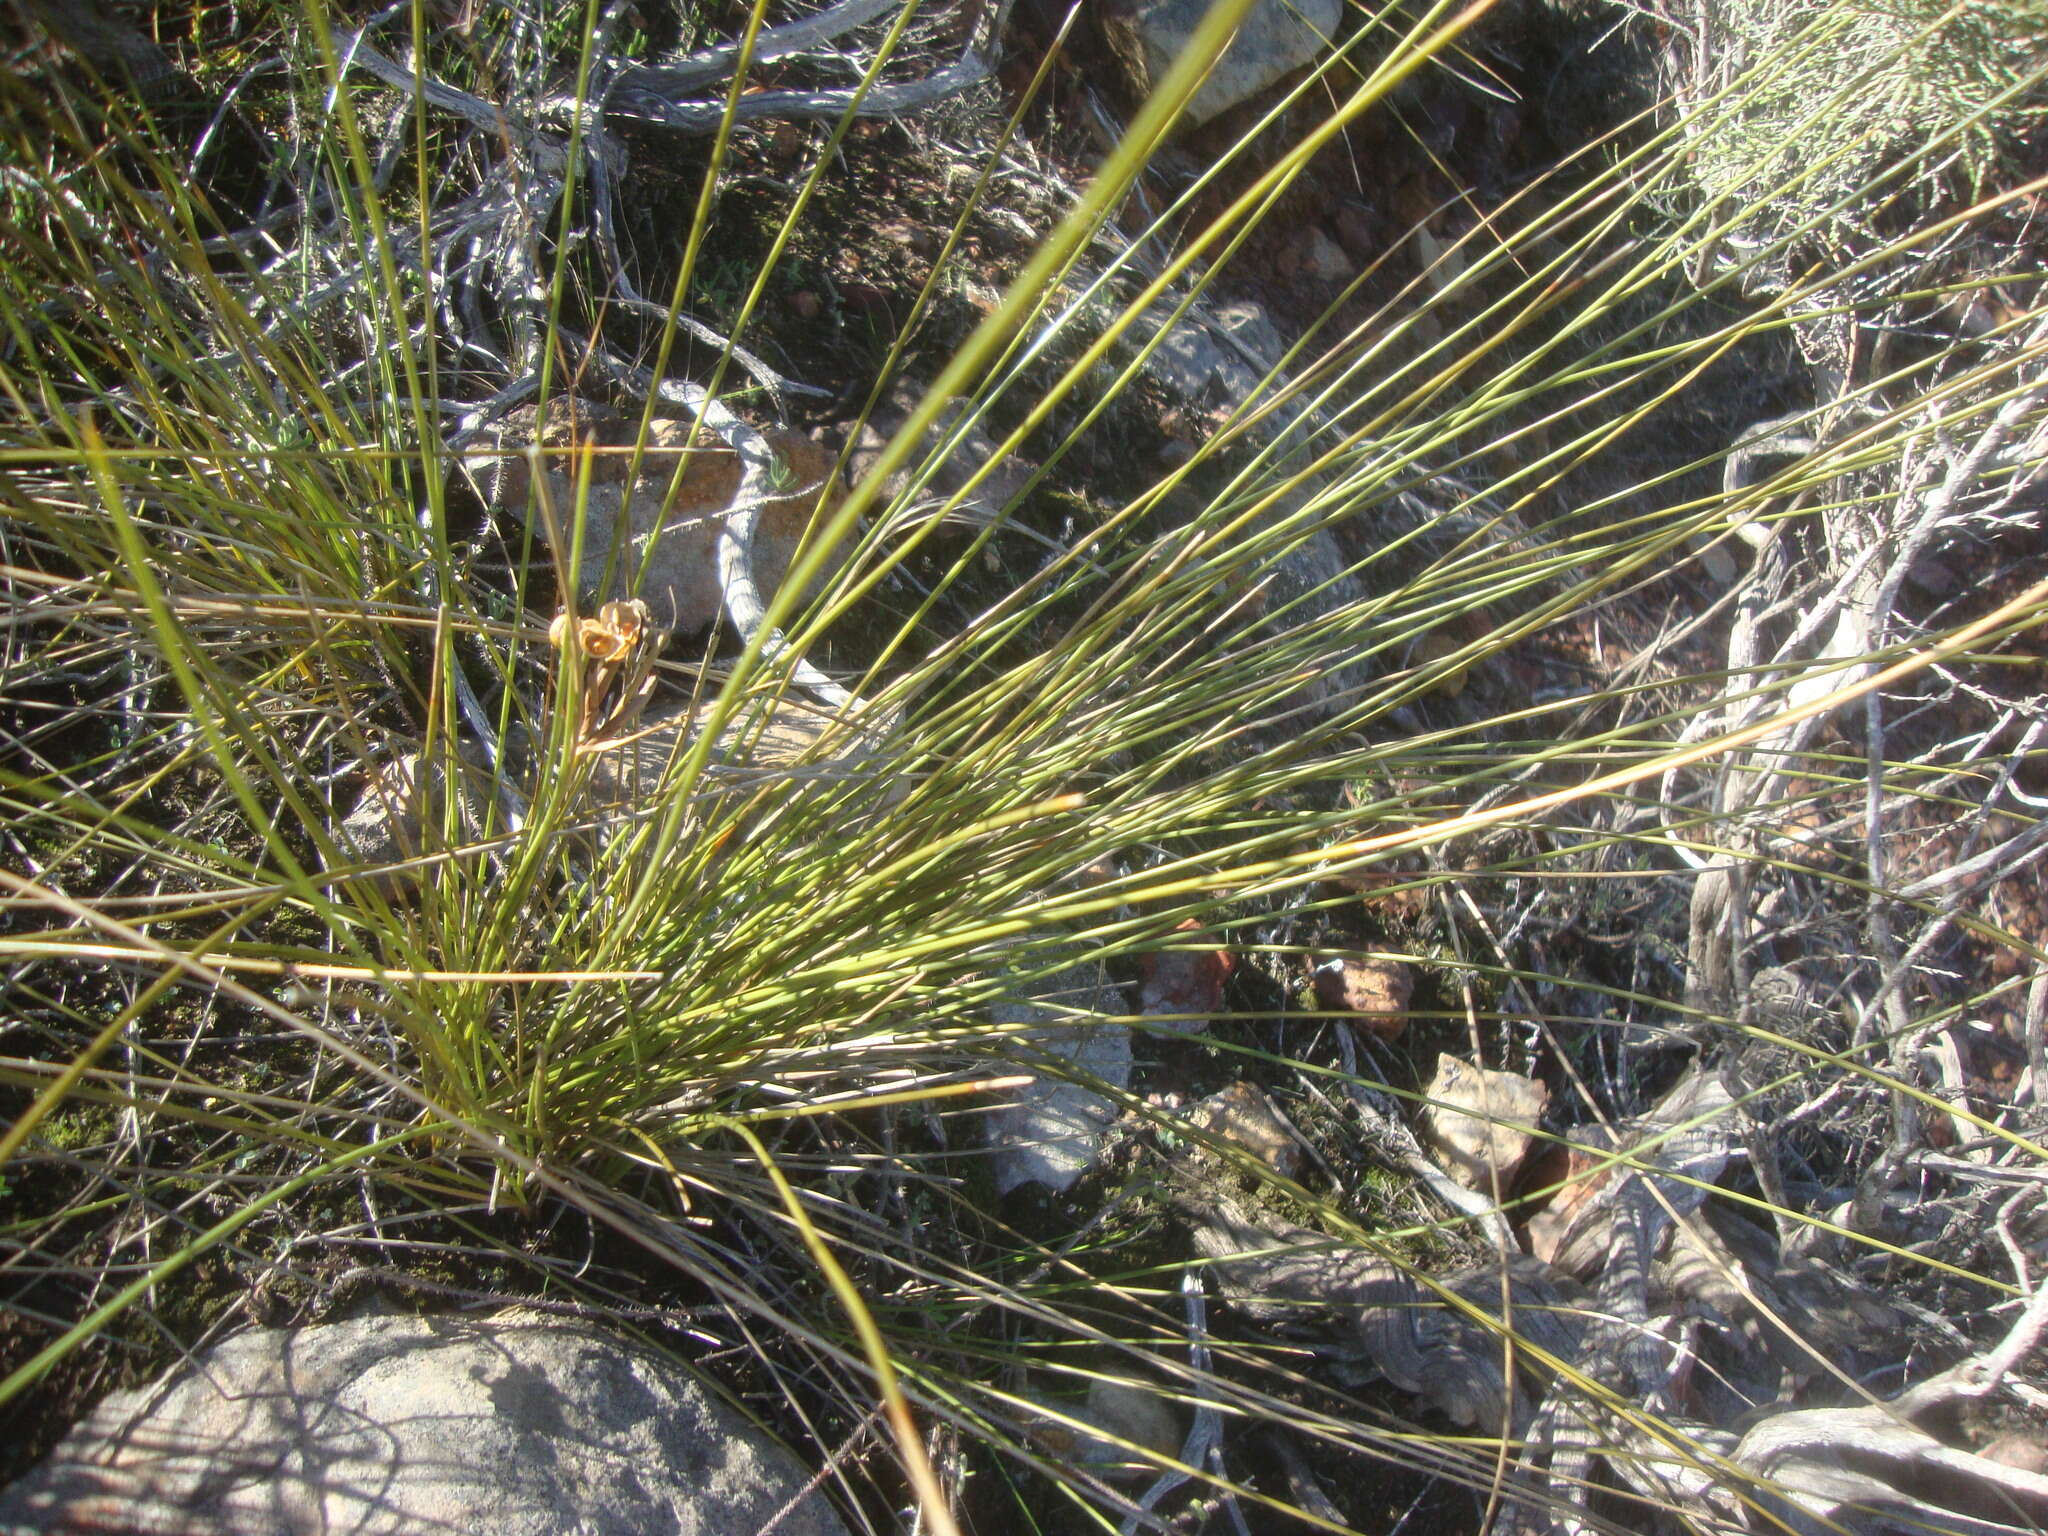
<point x="609" y="635"/>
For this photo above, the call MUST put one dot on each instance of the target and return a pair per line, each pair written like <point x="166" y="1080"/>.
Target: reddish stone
<point x="1185" y="981"/>
<point x="1376" y="991"/>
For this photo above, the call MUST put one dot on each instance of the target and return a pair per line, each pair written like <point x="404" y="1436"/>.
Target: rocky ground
<point x="1440" y="1105"/>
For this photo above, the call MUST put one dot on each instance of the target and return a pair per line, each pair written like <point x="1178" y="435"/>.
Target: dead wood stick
<point x="714" y="66"/>
<point x="1981" y="1375"/>
<point x="649" y="109"/>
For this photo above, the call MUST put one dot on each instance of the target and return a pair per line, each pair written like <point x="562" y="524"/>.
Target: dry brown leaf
<point x="1686" y="1133"/>
<point x="2018" y="1448"/>
<point x="1581" y="1173"/>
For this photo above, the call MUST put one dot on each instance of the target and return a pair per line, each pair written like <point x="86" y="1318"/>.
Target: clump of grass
<point x="742" y="1026"/>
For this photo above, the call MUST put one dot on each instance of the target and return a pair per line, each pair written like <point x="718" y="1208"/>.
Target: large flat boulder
<point x="514" y="1425"/>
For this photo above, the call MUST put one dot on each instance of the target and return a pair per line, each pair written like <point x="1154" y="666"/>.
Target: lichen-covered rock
<point x="1181" y="989"/>
<point x="680" y="583"/>
<point x="1374" y="992"/>
<point x="1474" y="1121"/>
<point x="1244" y="1116"/>
<point x="515" y="1425"/>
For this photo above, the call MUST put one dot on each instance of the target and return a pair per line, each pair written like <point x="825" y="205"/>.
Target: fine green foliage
<point x="744" y="1020"/>
<point x="1926" y="94"/>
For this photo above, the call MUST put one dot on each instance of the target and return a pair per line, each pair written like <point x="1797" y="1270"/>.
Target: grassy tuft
<point x="1420" y="651"/>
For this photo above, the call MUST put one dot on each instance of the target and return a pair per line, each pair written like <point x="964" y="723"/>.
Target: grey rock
<point x="515" y="1425"/>
<point x="1322" y="259"/>
<point x="952" y="453"/>
<point x="1232" y="346"/>
<point x="788" y="739"/>
<point x="389" y="825"/>
<point x="1119" y="1431"/>
<point x="1051" y="1132"/>
<point x="1276" y="38"/>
